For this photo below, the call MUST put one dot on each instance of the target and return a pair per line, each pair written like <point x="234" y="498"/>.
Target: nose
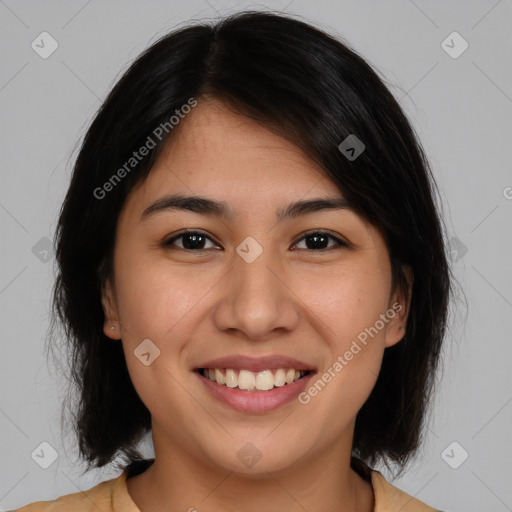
<point x="257" y="299"/>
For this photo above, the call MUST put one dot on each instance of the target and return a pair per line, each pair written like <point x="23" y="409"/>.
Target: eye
<point x="195" y="240"/>
<point x="191" y="240"/>
<point x="319" y="238"/>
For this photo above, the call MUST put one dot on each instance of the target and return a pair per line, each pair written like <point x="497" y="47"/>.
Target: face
<point x="310" y="291"/>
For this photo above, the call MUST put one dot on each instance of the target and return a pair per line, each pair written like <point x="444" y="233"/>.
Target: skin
<point x="200" y="305"/>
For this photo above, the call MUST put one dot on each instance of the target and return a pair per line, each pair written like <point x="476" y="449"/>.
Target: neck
<point x="326" y="482"/>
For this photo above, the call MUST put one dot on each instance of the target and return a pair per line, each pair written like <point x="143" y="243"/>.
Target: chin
<point x="255" y="459"/>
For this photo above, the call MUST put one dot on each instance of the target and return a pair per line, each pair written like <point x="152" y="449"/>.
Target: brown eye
<point x="316" y="241"/>
<point x="191" y="241"/>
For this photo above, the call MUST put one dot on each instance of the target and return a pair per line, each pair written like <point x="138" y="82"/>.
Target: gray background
<point x="461" y="108"/>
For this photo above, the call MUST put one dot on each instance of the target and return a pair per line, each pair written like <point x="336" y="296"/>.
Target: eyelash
<point x="340" y="243"/>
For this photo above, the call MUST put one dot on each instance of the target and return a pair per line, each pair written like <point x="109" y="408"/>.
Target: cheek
<point x="152" y="299"/>
<point x="347" y="308"/>
<point x="158" y="305"/>
<point x="347" y="302"/>
<point x="348" y="305"/>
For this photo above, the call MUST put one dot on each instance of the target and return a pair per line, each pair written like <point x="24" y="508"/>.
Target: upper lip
<point x="256" y="364"/>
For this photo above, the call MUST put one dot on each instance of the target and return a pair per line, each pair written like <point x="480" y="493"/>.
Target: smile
<point x="247" y="380"/>
<point x="254" y="392"/>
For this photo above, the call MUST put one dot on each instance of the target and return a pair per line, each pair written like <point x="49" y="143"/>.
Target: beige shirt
<point x="112" y="496"/>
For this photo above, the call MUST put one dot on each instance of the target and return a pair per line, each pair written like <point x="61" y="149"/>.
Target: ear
<point x="398" y="309"/>
<point x="110" y="311"/>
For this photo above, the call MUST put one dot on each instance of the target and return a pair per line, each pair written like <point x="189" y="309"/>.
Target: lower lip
<point x="256" y="401"/>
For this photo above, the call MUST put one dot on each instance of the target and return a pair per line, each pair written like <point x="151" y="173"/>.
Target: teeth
<point x="251" y="381"/>
<point x="264" y="380"/>
<point x="279" y="378"/>
<point x="246" y="380"/>
<point x="219" y="377"/>
<point x="231" y="379"/>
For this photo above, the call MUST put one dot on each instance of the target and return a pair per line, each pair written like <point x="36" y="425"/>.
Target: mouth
<point x="254" y="385"/>
<point x="254" y="392"/>
<point x="253" y="381"/>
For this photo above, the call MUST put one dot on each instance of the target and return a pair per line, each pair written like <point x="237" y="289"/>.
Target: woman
<point x="252" y="267"/>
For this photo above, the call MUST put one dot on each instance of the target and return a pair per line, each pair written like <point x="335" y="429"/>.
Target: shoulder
<point x="389" y="498"/>
<point x="96" y="498"/>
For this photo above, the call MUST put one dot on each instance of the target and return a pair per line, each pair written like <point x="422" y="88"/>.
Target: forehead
<point x="220" y="153"/>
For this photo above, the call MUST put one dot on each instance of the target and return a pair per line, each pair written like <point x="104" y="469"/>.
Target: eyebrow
<point x="211" y="207"/>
